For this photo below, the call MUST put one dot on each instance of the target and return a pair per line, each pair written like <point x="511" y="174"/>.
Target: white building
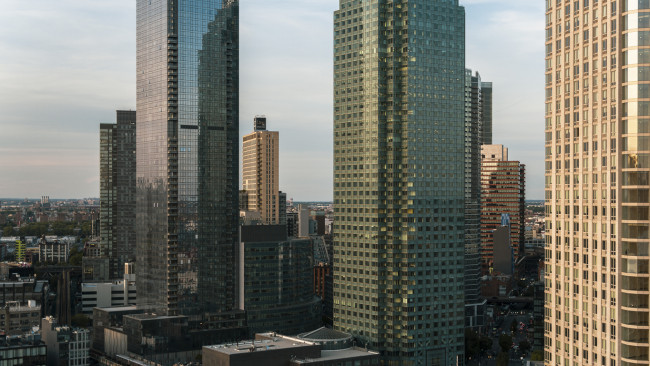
<point x="108" y="294"/>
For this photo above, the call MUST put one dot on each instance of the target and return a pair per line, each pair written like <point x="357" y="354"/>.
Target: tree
<point x="503" y="359"/>
<point x="537" y="355"/>
<point x="80" y="320"/>
<point x="485" y="343"/>
<point x="75" y="256"/>
<point x="471" y="343"/>
<point x="7" y="231"/>
<point x="505" y="342"/>
<point x="524" y="346"/>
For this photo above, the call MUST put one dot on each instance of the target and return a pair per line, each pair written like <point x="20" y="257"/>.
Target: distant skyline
<point x="68" y="65"/>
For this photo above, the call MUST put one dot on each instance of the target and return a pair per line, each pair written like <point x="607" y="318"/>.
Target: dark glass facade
<point x="277" y="281"/>
<point x="486" y="112"/>
<point x="117" y="194"/>
<point x="187" y="156"/>
<point x="474" y="106"/>
<point x="399" y="70"/>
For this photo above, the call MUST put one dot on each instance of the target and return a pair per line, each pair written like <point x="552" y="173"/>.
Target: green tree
<point x="80" y="320"/>
<point x="75" y="256"/>
<point x="503" y="359"/>
<point x="7" y="231"/>
<point x="524" y="346"/>
<point x="471" y="343"/>
<point x="537" y="355"/>
<point x="485" y="343"/>
<point x="505" y="342"/>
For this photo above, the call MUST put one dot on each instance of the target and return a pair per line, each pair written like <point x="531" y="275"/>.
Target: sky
<point x="67" y="65"/>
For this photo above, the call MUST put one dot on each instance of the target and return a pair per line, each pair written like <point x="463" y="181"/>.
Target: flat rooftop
<point x="346" y="353"/>
<point x="277" y="343"/>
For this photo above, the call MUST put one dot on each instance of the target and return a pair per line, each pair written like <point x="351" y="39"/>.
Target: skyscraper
<point x="596" y="126"/>
<point x="474" y="305"/>
<point x="486" y="112"/>
<point x="399" y="73"/>
<point x="503" y="191"/>
<point x="117" y="194"/>
<point x="261" y="171"/>
<point x="187" y="156"/>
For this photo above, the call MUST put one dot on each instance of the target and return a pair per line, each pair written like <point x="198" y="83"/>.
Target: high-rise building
<point x="187" y="210"/>
<point x="261" y="171"/>
<point x="474" y="304"/>
<point x="486" y="112"/>
<point x="503" y="192"/>
<point x="117" y="192"/>
<point x="597" y="183"/>
<point x="276" y="281"/>
<point x="399" y="178"/>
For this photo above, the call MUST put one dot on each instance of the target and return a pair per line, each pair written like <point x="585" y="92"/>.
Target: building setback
<point x="117" y="193"/>
<point x="399" y="178"/>
<point x="597" y="161"/>
<point x="261" y="172"/>
<point x="187" y="158"/>
<point x="503" y="190"/>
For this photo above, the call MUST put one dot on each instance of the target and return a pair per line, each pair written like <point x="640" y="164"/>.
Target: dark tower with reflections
<point x="187" y="157"/>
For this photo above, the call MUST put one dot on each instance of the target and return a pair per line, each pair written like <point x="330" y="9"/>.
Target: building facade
<point x="108" y="294"/>
<point x="23" y="350"/>
<point x="261" y="171"/>
<point x="53" y="251"/>
<point x="65" y="345"/>
<point x="117" y="192"/>
<point x="276" y="281"/>
<point x="398" y="178"/>
<point x="17" y="319"/>
<point x="474" y="101"/>
<point x="596" y="183"/>
<point x="486" y="112"/>
<point x="187" y="156"/>
<point x="503" y="192"/>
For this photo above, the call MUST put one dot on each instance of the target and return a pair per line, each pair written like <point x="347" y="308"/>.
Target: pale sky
<point x="67" y="65"/>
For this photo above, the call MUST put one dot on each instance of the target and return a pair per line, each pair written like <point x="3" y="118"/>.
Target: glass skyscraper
<point x="117" y="195"/>
<point x="474" y="123"/>
<point x="399" y="71"/>
<point x="187" y="156"/>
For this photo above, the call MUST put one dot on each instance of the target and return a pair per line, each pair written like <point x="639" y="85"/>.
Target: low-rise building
<point x="54" y="251"/>
<point x="271" y="349"/>
<point x="108" y="294"/>
<point x="65" y="345"/>
<point x="23" y="350"/>
<point x="17" y="319"/>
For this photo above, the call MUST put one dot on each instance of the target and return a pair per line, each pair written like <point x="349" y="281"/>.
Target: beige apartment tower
<point x="260" y="172"/>
<point x="597" y="164"/>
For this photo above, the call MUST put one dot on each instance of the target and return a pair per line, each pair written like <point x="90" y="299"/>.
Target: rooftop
<point x="347" y="353"/>
<point x="276" y="343"/>
<point x="324" y="334"/>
